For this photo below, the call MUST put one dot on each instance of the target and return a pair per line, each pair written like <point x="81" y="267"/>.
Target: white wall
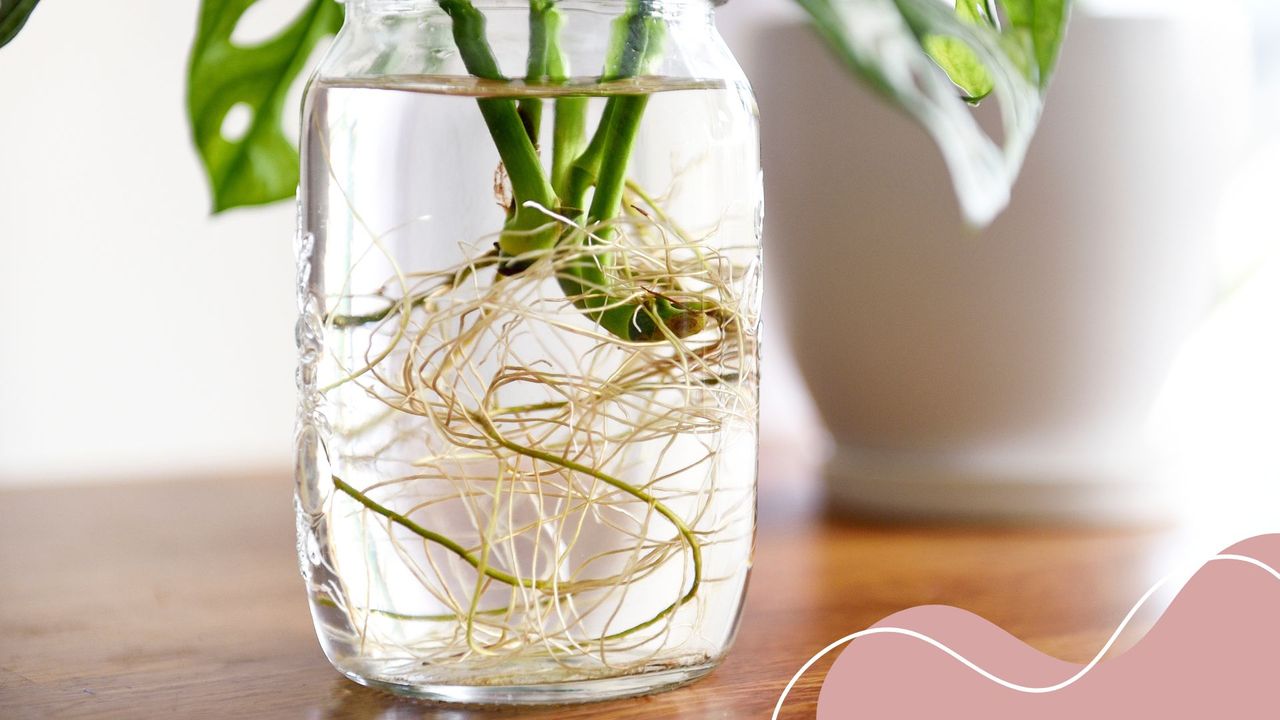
<point x="138" y="336"/>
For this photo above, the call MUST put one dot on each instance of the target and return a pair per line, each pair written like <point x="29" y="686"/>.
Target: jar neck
<point x="418" y="37"/>
<point x="663" y="8"/>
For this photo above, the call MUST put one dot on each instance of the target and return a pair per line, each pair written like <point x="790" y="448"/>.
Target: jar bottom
<point x="555" y="693"/>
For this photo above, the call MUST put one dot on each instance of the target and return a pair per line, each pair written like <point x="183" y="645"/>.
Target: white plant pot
<point x="1006" y="373"/>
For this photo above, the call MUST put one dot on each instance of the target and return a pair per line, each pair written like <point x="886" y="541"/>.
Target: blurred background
<point x="1108" y="351"/>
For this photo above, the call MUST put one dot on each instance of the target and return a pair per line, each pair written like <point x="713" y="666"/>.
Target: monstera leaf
<point x="13" y="15"/>
<point x="933" y="60"/>
<point x="261" y="164"/>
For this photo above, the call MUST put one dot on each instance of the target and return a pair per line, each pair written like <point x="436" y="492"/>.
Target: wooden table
<point x="182" y="600"/>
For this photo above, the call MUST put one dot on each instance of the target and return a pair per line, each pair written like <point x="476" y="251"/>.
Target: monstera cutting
<point x="529" y="293"/>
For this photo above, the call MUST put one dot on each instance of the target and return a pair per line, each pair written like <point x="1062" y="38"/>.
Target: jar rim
<point x="418" y="4"/>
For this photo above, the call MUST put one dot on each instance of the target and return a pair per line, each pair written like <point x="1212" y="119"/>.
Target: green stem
<point x="571" y="112"/>
<point x="528" y="229"/>
<point x="570" y="133"/>
<point x="582" y="171"/>
<point x="547" y="61"/>
<point x="637" y="42"/>
<point x="619" y="143"/>
<point x="544" y="23"/>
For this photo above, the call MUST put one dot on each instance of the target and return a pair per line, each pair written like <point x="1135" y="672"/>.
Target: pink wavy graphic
<point x="1214" y="653"/>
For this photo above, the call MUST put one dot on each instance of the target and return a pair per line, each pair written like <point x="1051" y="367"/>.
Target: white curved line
<point x="1000" y="681"/>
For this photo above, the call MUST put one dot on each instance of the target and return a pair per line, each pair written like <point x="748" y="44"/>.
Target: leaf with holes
<point x="260" y="166"/>
<point x="13" y="15"/>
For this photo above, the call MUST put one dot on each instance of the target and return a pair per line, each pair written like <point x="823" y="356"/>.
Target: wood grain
<point x="183" y="600"/>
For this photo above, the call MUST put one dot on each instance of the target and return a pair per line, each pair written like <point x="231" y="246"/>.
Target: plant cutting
<point x="530" y="352"/>
<point x="528" y="289"/>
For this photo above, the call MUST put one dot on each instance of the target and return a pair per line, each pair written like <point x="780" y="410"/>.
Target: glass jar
<point x="529" y="292"/>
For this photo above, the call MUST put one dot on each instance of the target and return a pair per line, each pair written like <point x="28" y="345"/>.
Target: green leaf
<point x="957" y="59"/>
<point x="261" y="166"/>
<point x="899" y="48"/>
<point x="1041" y="24"/>
<point x="961" y="64"/>
<point x="13" y="15"/>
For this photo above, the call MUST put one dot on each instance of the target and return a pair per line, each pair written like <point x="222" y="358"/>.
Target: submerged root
<point x="528" y="469"/>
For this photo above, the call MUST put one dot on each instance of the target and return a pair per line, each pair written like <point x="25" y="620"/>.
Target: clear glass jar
<point x="529" y="291"/>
